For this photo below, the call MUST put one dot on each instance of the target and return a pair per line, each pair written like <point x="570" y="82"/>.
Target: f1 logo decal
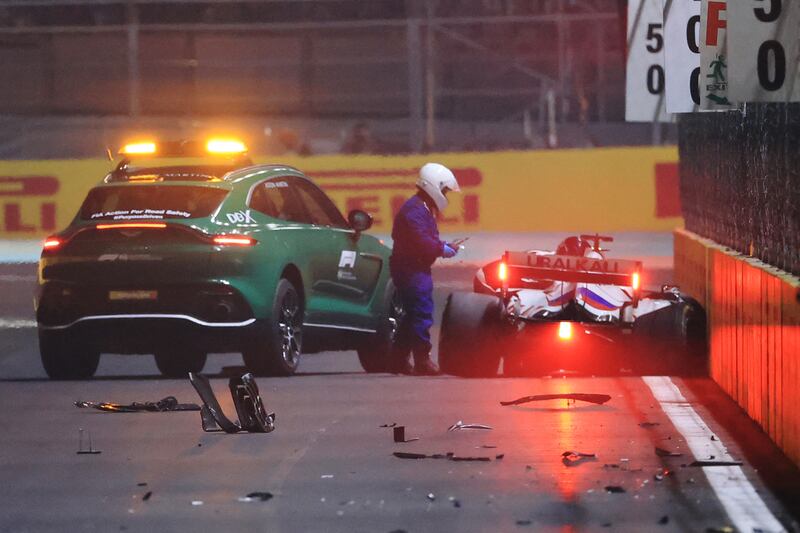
<point x="240" y="217"/>
<point x="347" y="259"/>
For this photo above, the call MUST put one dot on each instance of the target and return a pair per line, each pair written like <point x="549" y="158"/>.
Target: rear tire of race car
<point x="470" y="344"/>
<point x="673" y="339"/>
<point x="63" y="358"/>
<point x="278" y="344"/>
<point x="375" y="354"/>
<point x="179" y="362"/>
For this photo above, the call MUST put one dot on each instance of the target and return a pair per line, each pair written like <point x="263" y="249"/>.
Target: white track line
<point x="16" y="323"/>
<point x="744" y="506"/>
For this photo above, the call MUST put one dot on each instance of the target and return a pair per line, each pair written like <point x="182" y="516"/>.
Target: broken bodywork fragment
<point x="247" y="400"/>
<point x="598" y="399"/>
<point x="170" y="403"/>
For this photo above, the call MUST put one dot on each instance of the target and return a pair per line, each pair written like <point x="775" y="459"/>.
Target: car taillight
<point x="233" y="240"/>
<point x="132" y="225"/>
<point x="565" y="331"/>
<point x="52" y="243"/>
<point x="635" y="281"/>
<point x="502" y="271"/>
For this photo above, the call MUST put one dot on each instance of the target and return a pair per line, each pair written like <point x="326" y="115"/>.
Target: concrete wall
<point x="754" y="327"/>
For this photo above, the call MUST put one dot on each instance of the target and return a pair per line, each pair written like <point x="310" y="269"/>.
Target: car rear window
<point x="150" y="202"/>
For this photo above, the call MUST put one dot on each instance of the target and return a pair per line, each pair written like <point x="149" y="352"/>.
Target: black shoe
<point x="426" y="367"/>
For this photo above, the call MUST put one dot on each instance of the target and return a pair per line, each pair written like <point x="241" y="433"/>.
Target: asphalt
<point x="330" y="466"/>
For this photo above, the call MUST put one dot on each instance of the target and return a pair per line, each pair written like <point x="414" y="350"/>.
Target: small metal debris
<point x="723" y="529"/>
<point x="400" y="435"/>
<point x="408" y="455"/>
<point x="431" y="496"/>
<point x="524" y="522"/>
<point x="326" y="476"/>
<point x="456" y="503"/>
<point x="661" y="474"/>
<point x="528" y="467"/>
<point x="487" y="446"/>
<point x="598" y="399"/>
<point x="197" y="503"/>
<point x="142" y="484"/>
<point x="499" y="456"/>
<point x="570" y="458"/>
<point x="253" y="417"/>
<point x="467" y="458"/>
<point x="90" y="450"/>
<point x="663" y="520"/>
<point x="713" y="437"/>
<point x="461" y="425"/>
<point x="661" y="452"/>
<point x="614" y="489"/>
<point x="715" y="463"/>
<point x="260" y="496"/>
<point x="649" y="425"/>
<point x="147" y="495"/>
<point x="393" y="424"/>
<point x="169" y="403"/>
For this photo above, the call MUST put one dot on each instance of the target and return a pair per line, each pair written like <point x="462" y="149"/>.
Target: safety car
<point x="187" y="248"/>
<point x="572" y="308"/>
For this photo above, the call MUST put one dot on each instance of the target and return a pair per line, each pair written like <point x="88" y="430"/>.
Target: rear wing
<point x="519" y="269"/>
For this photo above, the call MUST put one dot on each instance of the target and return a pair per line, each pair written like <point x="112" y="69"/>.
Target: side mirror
<point x="359" y="220"/>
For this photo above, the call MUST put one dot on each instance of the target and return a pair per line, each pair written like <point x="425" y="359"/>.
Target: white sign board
<point x="645" y="80"/>
<point x="682" y="54"/>
<point x="714" y="55"/>
<point x="764" y="47"/>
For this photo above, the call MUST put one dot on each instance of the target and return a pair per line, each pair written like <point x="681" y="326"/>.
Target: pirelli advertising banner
<point x="615" y="189"/>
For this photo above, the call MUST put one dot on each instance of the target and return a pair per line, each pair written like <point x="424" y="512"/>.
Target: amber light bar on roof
<point x="138" y="148"/>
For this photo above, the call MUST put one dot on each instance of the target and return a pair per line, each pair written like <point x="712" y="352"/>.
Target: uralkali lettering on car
<point x="583" y="264"/>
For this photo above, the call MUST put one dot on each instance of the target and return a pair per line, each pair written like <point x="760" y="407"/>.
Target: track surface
<point x="330" y="466"/>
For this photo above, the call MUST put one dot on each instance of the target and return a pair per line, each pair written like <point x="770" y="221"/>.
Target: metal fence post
<point x="414" y="85"/>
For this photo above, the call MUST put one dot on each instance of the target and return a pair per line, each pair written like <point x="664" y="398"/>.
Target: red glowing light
<point x="635" y="281"/>
<point x="234" y="240"/>
<point x="502" y="271"/>
<point x="565" y="331"/>
<point x="128" y="225"/>
<point x="51" y="243"/>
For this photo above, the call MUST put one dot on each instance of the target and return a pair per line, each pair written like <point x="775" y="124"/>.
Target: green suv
<point x="212" y="256"/>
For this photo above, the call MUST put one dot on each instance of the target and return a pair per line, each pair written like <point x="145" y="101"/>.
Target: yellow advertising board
<point x="609" y="189"/>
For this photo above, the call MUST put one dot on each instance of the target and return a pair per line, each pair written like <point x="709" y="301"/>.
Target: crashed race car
<point x="573" y="308"/>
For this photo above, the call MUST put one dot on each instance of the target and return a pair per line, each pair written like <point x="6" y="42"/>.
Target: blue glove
<point x="448" y="251"/>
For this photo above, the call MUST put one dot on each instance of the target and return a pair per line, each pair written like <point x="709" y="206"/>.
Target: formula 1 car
<point x="574" y="308"/>
<point x="187" y="248"/>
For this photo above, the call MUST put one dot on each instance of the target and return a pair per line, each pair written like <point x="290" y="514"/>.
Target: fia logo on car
<point x="240" y="217"/>
<point x="347" y="259"/>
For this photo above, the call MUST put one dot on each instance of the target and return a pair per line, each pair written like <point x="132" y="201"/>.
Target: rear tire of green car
<point x="63" y="358"/>
<point x="178" y="363"/>
<point x="279" y="342"/>
<point x="375" y="353"/>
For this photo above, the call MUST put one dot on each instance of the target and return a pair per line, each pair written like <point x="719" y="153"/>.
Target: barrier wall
<point x="754" y="327"/>
<point x="606" y="190"/>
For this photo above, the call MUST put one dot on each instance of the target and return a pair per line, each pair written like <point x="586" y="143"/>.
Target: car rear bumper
<point x="149" y="333"/>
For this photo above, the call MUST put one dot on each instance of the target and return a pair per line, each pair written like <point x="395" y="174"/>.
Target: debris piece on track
<point x="147" y="495"/>
<point x="661" y="474"/>
<point x="461" y="425"/>
<point x="400" y="435"/>
<point x="715" y="463"/>
<point x="615" y="489"/>
<point x="598" y="399"/>
<point x="257" y="496"/>
<point x="166" y="404"/>
<point x="663" y="520"/>
<point x="661" y="452"/>
<point x="649" y="425"/>
<point x="393" y="424"/>
<point x="81" y="449"/>
<point x="570" y="458"/>
<point x="253" y="417"/>
<point x="449" y="456"/>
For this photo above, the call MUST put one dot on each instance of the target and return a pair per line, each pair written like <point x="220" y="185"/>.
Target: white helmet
<point x="434" y="179"/>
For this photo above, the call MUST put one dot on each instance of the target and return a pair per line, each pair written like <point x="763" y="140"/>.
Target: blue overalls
<point x="416" y="247"/>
